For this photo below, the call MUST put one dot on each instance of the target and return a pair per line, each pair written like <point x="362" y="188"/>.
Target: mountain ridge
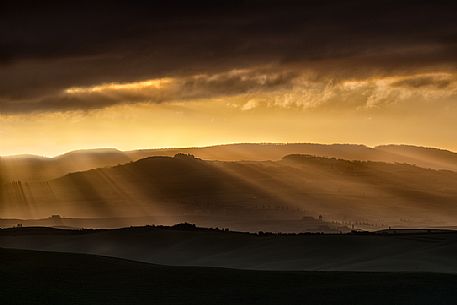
<point x="245" y="194"/>
<point x="31" y="168"/>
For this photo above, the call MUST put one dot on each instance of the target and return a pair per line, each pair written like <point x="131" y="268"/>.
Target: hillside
<point x="30" y="277"/>
<point x="35" y="168"/>
<point x="423" y="156"/>
<point x="248" y="195"/>
<point x="184" y="246"/>
<point x="426" y="157"/>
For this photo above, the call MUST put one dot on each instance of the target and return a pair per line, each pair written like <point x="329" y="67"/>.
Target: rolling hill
<point x="248" y="195"/>
<point x="36" y="168"/>
<point x="189" y="246"/>
<point x="31" y="277"/>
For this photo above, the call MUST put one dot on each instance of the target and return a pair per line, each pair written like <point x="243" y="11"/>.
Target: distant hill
<point x="36" y="278"/>
<point x="34" y="168"/>
<point x="248" y="195"/>
<point x="423" y="156"/>
<point x="174" y="189"/>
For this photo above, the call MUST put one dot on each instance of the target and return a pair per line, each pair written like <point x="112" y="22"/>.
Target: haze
<point x="228" y="152"/>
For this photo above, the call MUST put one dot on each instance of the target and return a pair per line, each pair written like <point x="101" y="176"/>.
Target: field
<point x="32" y="277"/>
<point x="189" y="246"/>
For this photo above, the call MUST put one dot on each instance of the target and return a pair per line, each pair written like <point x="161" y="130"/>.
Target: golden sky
<point x="372" y="112"/>
<point x="165" y="75"/>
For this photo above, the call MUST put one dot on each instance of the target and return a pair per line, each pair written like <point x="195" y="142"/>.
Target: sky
<point x="194" y="73"/>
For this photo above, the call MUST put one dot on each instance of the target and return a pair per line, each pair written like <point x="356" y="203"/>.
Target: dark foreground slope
<point x="418" y="252"/>
<point x="29" y="277"/>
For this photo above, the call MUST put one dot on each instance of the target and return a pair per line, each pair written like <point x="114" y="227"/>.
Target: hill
<point x="30" y="277"/>
<point x="423" y="156"/>
<point x="426" y="157"/>
<point x="35" y="168"/>
<point x="189" y="246"/>
<point x="286" y="195"/>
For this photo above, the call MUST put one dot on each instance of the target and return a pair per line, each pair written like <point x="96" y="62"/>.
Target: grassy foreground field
<point x="32" y="277"/>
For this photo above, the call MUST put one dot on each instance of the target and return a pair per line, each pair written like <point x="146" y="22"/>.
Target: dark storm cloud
<point x="177" y="89"/>
<point x="47" y="47"/>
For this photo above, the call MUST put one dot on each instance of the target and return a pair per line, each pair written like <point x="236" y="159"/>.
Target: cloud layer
<point x="293" y="52"/>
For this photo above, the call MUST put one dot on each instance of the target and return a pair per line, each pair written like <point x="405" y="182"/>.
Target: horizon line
<point x="93" y="149"/>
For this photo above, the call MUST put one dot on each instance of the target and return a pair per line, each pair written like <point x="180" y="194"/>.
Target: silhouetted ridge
<point x="351" y="164"/>
<point x="297" y="193"/>
<point x="35" y="168"/>
<point x="189" y="245"/>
